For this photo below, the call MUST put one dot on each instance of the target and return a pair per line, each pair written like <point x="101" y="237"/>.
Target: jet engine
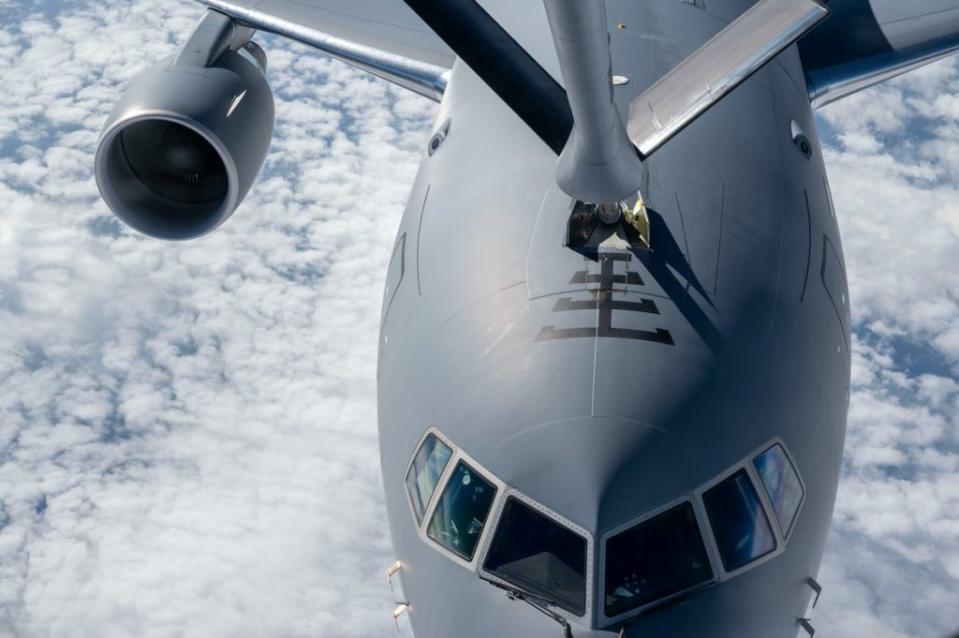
<point x="188" y="138"/>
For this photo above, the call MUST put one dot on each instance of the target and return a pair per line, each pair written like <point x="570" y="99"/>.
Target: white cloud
<point x="894" y="188"/>
<point x="187" y="431"/>
<point x="890" y="567"/>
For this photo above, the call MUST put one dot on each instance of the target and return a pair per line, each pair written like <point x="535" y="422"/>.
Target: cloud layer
<point x="891" y="565"/>
<point x="188" y="431"/>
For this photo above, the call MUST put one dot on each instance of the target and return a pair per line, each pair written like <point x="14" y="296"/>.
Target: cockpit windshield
<point x="539" y="555"/>
<point x="661" y="556"/>
<point x="739" y="522"/>
<point x="425" y="471"/>
<point x="782" y="484"/>
<point x="461" y="512"/>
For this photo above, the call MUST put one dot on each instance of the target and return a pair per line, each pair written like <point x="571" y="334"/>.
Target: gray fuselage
<point x="491" y="336"/>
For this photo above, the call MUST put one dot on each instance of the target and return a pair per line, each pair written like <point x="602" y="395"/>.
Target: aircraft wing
<point x="865" y="42"/>
<point x="382" y="37"/>
<point x="386" y="25"/>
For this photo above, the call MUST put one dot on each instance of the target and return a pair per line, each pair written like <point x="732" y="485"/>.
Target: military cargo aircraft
<point x="614" y="355"/>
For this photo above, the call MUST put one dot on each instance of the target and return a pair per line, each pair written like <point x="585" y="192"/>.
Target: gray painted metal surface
<point x="598" y="163"/>
<point x="225" y="108"/>
<point x="831" y="84"/>
<point x="703" y="78"/>
<point x="297" y="23"/>
<point x="906" y="24"/>
<point x="599" y="429"/>
<point x="385" y="25"/>
<point x="601" y="382"/>
<point x="866" y="42"/>
<point x="853" y="50"/>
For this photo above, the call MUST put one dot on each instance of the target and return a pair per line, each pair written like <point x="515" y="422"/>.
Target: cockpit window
<point x="659" y="557"/>
<point x="739" y="522"/>
<point x="539" y="555"/>
<point x="782" y="484"/>
<point x="461" y="512"/>
<point x="425" y="471"/>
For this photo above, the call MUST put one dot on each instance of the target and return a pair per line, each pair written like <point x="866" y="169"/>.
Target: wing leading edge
<point x="866" y="42"/>
<point x="382" y="37"/>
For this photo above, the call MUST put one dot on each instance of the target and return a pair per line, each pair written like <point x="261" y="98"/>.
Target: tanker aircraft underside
<point x="615" y="344"/>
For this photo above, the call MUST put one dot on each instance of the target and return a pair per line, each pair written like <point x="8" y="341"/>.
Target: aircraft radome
<point x="614" y="357"/>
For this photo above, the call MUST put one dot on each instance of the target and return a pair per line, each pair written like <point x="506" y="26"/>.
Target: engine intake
<point x="185" y="143"/>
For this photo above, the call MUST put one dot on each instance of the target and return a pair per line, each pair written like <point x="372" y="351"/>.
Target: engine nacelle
<point x="185" y="143"/>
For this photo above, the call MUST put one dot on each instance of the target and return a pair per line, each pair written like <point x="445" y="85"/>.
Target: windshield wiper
<point x="540" y="604"/>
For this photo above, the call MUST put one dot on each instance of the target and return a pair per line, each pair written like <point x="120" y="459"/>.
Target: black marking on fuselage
<point x="604" y="304"/>
<point x="663" y="261"/>
<point x="585" y="277"/>
<point x="645" y="305"/>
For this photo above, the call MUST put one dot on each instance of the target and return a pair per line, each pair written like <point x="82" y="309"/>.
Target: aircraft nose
<point x="569" y="465"/>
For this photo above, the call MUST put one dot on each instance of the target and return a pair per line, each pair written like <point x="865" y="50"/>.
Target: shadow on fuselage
<point x="660" y="259"/>
<point x="663" y="254"/>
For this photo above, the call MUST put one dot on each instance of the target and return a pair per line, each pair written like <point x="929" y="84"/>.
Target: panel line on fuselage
<point x="419" y="230"/>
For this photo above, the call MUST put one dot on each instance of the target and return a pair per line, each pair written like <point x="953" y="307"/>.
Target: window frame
<point x="440" y="480"/>
<point x="712" y="556"/>
<point x="767" y="509"/>
<point x="471" y="470"/>
<point x="497" y="514"/>
<point x="720" y="574"/>
<point x="421" y="529"/>
<point x="746" y="463"/>
<point x="786" y="533"/>
<point x="596" y="561"/>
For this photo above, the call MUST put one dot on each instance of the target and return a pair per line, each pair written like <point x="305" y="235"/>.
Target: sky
<point x="188" y="430"/>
